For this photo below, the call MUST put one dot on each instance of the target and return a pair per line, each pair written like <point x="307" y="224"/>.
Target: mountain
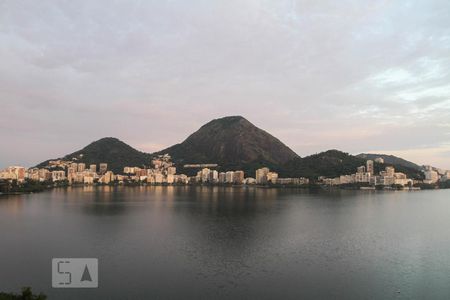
<point x="391" y="159"/>
<point x="234" y="144"/>
<point x="333" y="163"/>
<point x="108" y="150"/>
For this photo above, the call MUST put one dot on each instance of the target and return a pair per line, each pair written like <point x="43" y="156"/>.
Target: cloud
<point x="350" y="75"/>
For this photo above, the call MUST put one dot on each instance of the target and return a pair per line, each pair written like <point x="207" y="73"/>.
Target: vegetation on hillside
<point x="108" y="150"/>
<point x="333" y="163"/>
<point x="392" y="160"/>
<point x="234" y="144"/>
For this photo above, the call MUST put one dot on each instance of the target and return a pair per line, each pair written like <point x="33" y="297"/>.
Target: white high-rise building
<point x="213" y="176"/>
<point x="205" y="174"/>
<point x="369" y="167"/>
<point x="272" y="177"/>
<point x="238" y="177"/>
<point x="261" y="175"/>
<point x="431" y="177"/>
<point x="229" y="177"/>
<point x="222" y="177"/>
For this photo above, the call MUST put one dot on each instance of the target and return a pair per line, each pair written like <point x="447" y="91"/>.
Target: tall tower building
<point x="81" y="167"/>
<point x="369" y="166"/>
<point x="229" y="177"/>
<point x="261" y="175"/>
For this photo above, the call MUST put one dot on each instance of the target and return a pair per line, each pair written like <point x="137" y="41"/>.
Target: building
<point x="93" y="168"/>
<point x="204" y="175"/>
<point x="128" y="170"/>
<point x="390" y="171"/>
<point x="213" y="176"/>
<point x="229" y="177"/>
<point x="346" y="179"/>
<point x="379" y="160"/>
<point x="71" y="171"/>
<point x="375" y="180"/>
<point x="88" y="179"/>
<point x="401" y="179"/>
<point x="58" y="175"/>
<point x="14" y="173"/>
<point x="19" y="172"/>
<point x="362" y="177"/>
<point x="140" y="172"/>
<point x="107" y="178"/>
<point x="249" y="180"/>
<point x="33" y="174"/>
<point x="272" y="177"/>
<point x="44" y="175"/>
<point x="81" y="167"/>
<point x="170" y="179"/>
<point x="361" y="169"/>
<point x="222" y="177"/>
<point x="301" y="181"/>
<point x="331" y="181"/>
<point x="369" y="167"/>
<point x="74" y="165"/>
<point x="158" y="178"/>
<point x="261" y="175"/>
<point x="238" y="177"/>
<point x="171" y="171"/>
<point x="181" y="179"/>
<point x="431" y="176"/>
<point x="387" y="176"/>
<point x="103" y="167"/>
<point x="446" y="176"/>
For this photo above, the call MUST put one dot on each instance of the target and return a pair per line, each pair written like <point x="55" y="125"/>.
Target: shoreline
<point x="304" y="187"/>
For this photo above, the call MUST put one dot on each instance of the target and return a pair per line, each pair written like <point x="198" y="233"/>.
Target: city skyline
<point x="355" y="77"/>
<point x="163" y="171"/>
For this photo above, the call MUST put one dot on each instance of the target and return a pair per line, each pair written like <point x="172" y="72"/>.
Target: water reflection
<point x="225" y="242"/>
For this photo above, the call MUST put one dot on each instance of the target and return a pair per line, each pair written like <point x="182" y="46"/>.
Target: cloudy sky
<point x="359" y="76"/>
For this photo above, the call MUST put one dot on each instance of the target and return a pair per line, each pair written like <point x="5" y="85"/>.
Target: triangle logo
<point x="86" y="275"/>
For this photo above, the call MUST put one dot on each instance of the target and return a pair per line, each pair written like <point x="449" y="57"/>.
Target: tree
<point x="27" y="294"/>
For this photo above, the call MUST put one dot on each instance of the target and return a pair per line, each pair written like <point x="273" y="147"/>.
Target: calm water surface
<point x="203" y="242"/>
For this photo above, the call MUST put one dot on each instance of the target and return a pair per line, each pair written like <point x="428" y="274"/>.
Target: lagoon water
<point x="231" y="243"/>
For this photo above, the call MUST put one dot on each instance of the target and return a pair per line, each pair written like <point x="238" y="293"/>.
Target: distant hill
<point x="391" y="159"/>
<point x="233" y="143"/>
<point x="236" y="144"/>
<point x="333" y="163"/>
<point x="108" y="150"/>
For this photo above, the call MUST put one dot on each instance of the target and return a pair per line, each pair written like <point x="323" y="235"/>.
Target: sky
<point x="358" y="76"/>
